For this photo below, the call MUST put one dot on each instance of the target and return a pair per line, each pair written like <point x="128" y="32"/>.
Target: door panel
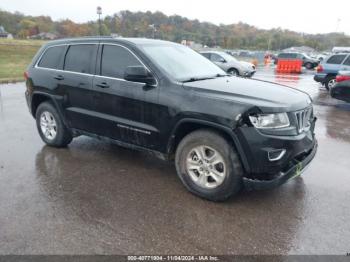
<point x="75" y="84"/>
<point x="124" y="108"/>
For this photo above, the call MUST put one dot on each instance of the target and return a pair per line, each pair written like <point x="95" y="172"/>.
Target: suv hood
<point x="267" y="96"/>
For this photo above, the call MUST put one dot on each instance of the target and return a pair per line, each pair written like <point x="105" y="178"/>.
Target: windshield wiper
<point x="194" y="79"/>
<point x="221" y="75"/>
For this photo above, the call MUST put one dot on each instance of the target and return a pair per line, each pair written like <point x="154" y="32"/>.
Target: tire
<point x="48" y="119"/>
<point x="233" y="71"/>
<point x="329" y="83"/>
<point x="230" y="181"/>
<point x="309" y="66"/>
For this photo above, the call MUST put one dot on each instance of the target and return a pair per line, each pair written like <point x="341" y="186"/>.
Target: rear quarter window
<point x="52" y="57"/>
<point x="336" y="59"/>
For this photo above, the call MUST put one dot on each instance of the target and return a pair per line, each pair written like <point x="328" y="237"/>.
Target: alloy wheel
<point x="48" y="125"/>
<point x="206" y="167"/>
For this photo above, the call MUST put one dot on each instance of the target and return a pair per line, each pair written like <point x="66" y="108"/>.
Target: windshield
<point x="306" y="56"/>
<point x="227" y="57"/>
<point x="181" y="62"/>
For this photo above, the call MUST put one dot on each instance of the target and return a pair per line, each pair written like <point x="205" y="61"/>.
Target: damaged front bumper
<point x="296" y="168"/>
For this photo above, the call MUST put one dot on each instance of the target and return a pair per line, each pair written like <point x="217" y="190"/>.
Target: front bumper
<point x="249" y="74"/>
<point x="263" y="170"/>
<point x="296" y="169"/>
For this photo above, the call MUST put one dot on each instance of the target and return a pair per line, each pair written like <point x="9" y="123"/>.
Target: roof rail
<point x="97" y="36"/>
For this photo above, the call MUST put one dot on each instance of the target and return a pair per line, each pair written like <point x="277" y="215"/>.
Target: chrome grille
<point x="303" y="119"/>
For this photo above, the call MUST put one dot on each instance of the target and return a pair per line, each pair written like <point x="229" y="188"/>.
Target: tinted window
<point x="347" y="61"/>
<point x="283" y="55"/>
<point x="51" y="57"/>
<point x="115" y="60"/>
<point x="287" y="55"/>
<point x="79" y="57"/>
<point x="336" y="59"/>
<point x="207" y="55"/>
<point x="215" y="57"/>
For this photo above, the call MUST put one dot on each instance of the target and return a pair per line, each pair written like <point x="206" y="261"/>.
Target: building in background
<point x="192" y="44"/>
<point x="300" y="49"/>
<point x="4" y="34"/>
<point x="44" y="36"/>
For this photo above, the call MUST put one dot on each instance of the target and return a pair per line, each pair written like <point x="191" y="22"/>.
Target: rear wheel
<point x="309" y="66"/>
<point x="51" y="127"/>
<point x="208" y="165"/>
<point x="330" y="82"/>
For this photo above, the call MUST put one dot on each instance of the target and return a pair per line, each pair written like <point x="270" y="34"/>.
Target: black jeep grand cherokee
<point x="224" y="132"/>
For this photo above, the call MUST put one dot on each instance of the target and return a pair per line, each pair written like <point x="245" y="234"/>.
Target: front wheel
<point x="51" y="127"/>
<point x="233" y="72"/>
<point x="208" y="165"/>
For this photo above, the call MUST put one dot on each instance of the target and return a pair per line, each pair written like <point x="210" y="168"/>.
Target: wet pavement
<point x="98" y="198"/>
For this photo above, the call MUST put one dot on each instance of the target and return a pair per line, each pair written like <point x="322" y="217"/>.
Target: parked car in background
<point x="341" y="90"/>
<point x="223" y="133"/>
<point x="308" y="62"/>
<point x="230" y="64"/>
<point x="329" y="68"/>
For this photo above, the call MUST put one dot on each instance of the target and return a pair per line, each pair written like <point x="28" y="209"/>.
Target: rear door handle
<point x="59" y="77"/>
<point x="103" y="85"/>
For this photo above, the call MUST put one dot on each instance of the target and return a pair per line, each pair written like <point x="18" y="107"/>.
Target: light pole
<point x="154" y="29"/>
<point x="99" y="12"/>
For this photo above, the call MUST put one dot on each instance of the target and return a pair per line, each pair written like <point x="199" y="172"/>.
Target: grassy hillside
<point x="15" y="55"/>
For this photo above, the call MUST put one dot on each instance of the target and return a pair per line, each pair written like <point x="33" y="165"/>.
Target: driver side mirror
<point x="222" y="60"/>
<point x="139" y="74"/>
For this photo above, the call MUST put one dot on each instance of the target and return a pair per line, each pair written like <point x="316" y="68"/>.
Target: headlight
<point x="279" y="120"/>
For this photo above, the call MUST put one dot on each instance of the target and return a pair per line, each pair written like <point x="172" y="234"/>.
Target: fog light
<point x="275" y="155"/>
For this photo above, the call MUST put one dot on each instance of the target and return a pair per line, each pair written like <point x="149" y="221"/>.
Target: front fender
<point x="207" y="124"/>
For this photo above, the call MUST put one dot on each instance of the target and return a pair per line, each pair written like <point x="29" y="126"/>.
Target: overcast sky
<point x="309" y="16"/>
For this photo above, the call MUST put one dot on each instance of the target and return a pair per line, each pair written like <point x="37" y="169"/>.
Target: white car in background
<point x="230" y="64"/>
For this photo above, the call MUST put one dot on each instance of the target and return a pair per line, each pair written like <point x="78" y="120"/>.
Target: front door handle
<point x="59" y="77"/>
<point x="103" y="85"/>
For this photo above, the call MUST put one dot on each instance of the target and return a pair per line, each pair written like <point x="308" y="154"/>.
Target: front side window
<point x="216" y="58"/>
<point x="115" y="59"/>
<point x="347" y="61"/>
<point x="336" y="59"/>
<point x="79" y="58"/>
<point x="52" y="57"/>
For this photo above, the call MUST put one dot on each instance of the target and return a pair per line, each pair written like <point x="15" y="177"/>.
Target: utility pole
<point x="99" y="12"/>
<point x="153" y="30"/>
<point x="337" y="26"/>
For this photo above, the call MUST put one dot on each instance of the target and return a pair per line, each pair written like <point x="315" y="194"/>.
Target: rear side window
<point x="347" y="61"/>
<point x="283" y="55"/>
<point x="79" y="58"/>
<point x="52" y="57"/>
<point x="336" y="59"/>
<point x="115" y="59"/>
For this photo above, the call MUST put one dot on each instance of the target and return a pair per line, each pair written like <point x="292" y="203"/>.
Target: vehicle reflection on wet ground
<point x="98" y="198"/>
